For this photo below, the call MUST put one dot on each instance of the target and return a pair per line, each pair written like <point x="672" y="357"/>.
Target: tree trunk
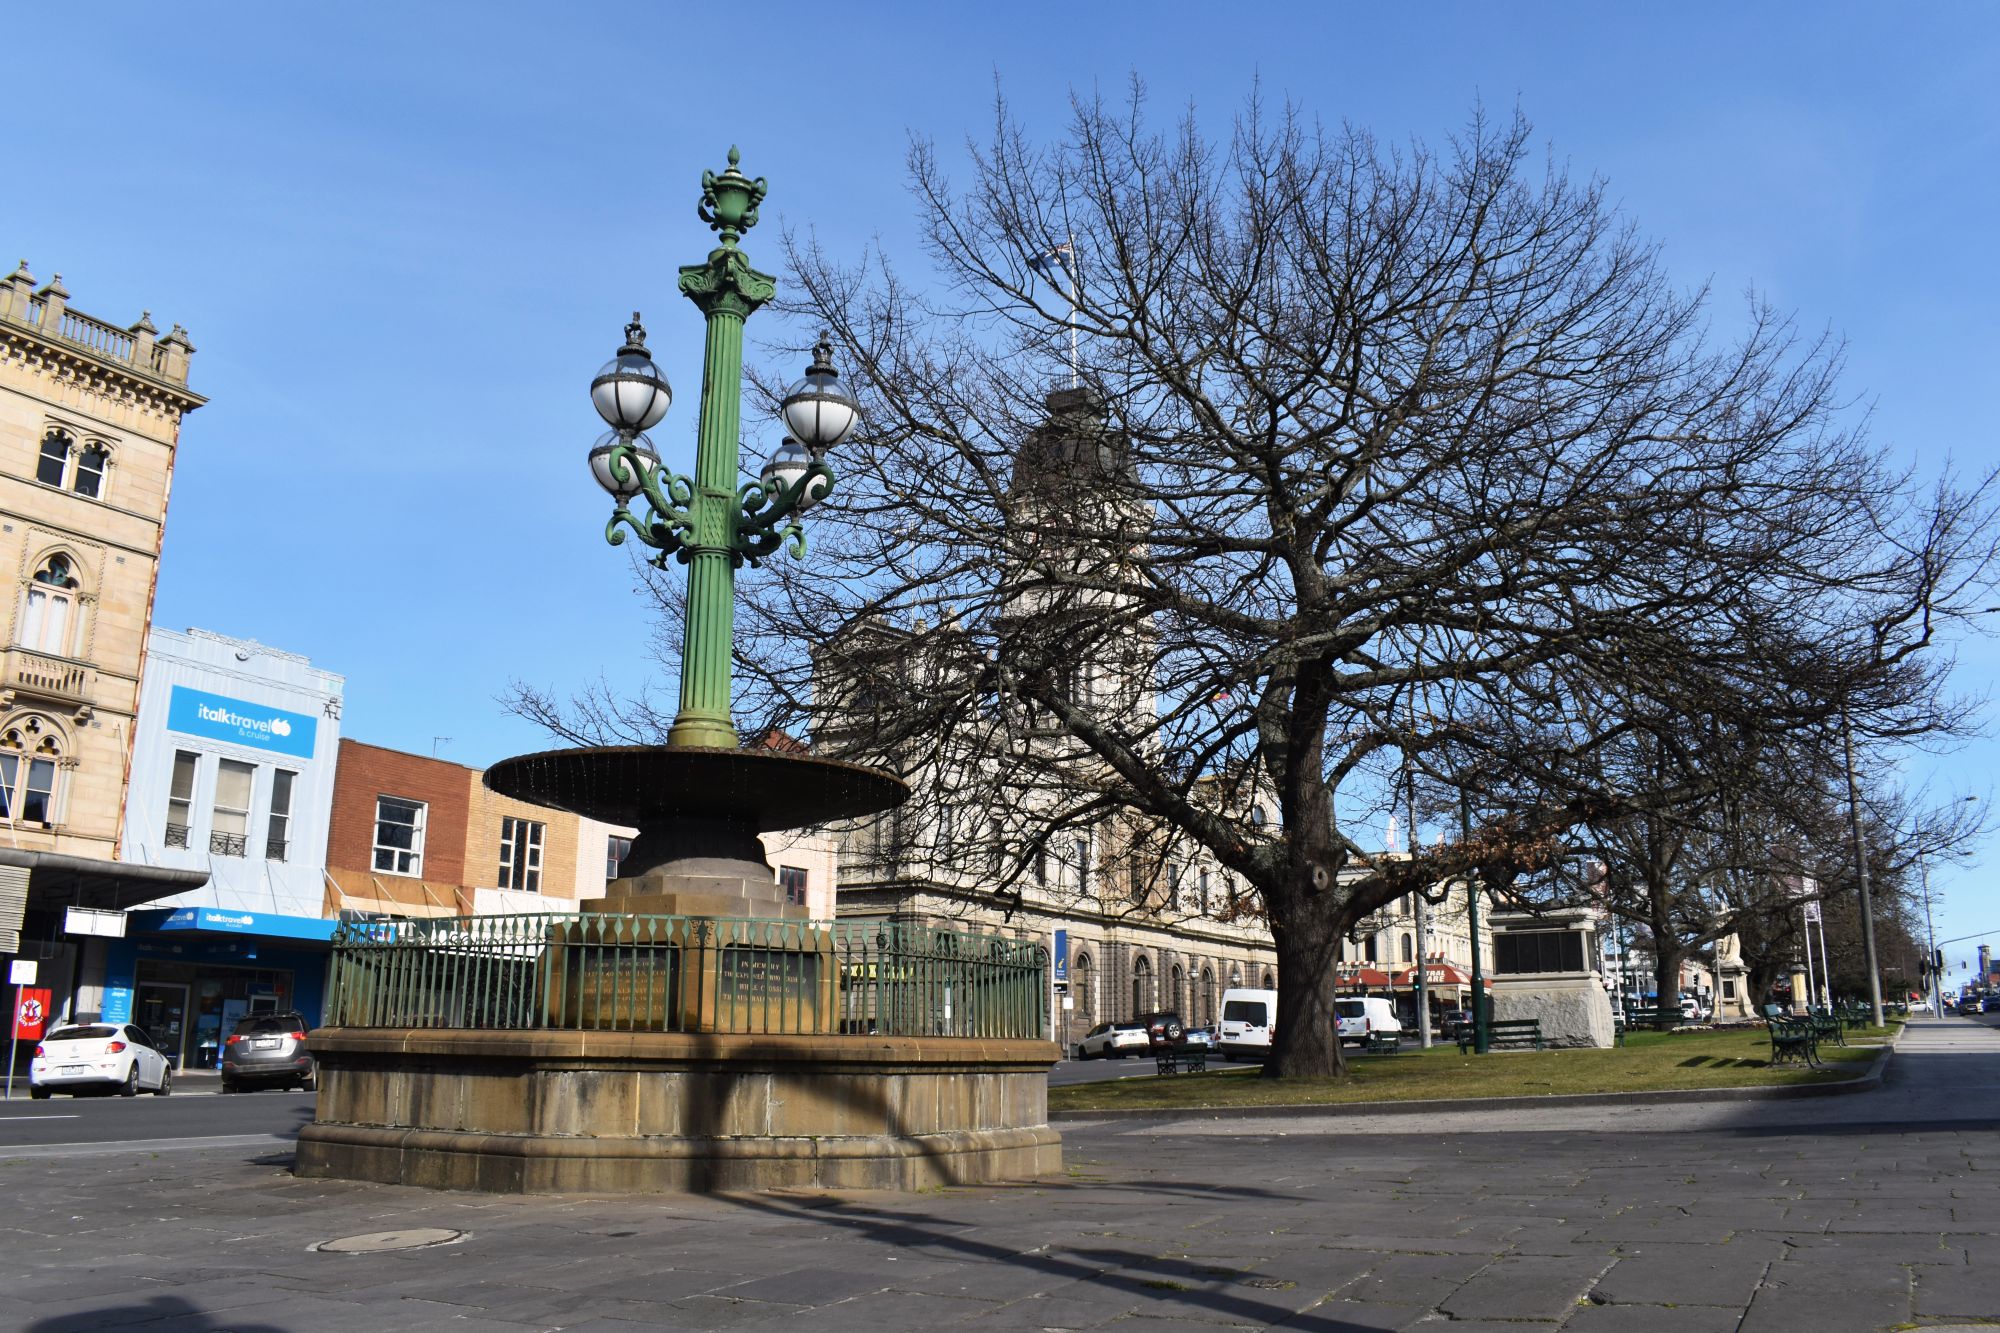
<point x="1667" y="984"/>
<point x="1306" y="1044"/>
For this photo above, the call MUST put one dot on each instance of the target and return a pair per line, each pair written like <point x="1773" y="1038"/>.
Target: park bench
<point x="1506" y="1032"/>
<point x="1382" y="1043"/>
<point x="1792" y="1039"/>
<point x="1827" y="1027"/>
<point x="1646" y="1019"/>
<point x="1186" y="1059"/>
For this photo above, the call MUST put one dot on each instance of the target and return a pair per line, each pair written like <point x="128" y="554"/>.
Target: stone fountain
<point x="692" y="1031"/>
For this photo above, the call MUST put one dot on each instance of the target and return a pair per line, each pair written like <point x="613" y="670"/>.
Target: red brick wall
<point x="368" y="771"/>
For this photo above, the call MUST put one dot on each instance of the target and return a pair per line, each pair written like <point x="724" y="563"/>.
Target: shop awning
<point x="1435" y="974"/>
<point x="56" y="879"/>
<point x="228" y="921"/>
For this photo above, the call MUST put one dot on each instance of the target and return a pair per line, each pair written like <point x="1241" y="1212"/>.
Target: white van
<point x="1249" y="1018"/>
<point x="1362" y="1014"/>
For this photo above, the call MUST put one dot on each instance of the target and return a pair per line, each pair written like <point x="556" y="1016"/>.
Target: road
<point x="81" y="1126"/>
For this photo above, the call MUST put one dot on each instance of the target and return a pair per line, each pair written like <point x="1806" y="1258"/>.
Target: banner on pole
<point x="1812" y="911"/>
<point x="31" y="1015"/>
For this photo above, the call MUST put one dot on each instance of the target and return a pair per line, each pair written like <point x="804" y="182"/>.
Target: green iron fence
<point x="614" y="973"/>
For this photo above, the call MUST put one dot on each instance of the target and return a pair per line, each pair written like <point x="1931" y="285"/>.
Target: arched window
<point x="49" y="613"/>
<point x="1270" y="980"/>
<point x="90" y="465"/>
<point x="1179" y="990"/>
<point x="1368" y="950"/>
<point x="1207" y="997"/>
<point x="1083" y="988"/>
<point x="1142" y="985"/>
<point x="54" y="462"/>
<point x="28" y="761"/>
<point x="1409" y="950"/>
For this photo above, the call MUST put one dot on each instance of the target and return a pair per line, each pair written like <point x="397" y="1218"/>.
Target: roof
<point x="1074" y="447"/>
<point x="56" y="879"/>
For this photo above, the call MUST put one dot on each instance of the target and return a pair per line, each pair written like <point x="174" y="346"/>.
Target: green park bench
<point x="1827" y="1026"/>
<point x="1382" y="1043"/>
<point x="1506" y="1032"/>
<point x="1185" y="1059"/>
<point x="1792" y="1039"/>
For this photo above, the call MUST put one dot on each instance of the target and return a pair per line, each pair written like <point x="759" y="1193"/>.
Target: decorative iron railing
<point x="228" y="844"/>
<point x="590" y="972"/>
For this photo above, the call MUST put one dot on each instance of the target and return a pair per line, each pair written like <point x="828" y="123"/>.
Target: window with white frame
<point x="48" y="617"/>
<point x="29" y="761"/>
<point x="278" y="831"/>
<point x="399" y="835"/>
<point x="229" y="829"/>
<point x="616" y="849"/>
<point x="180" y="797"/>
<point x="793" y="880"/>
<point x="521" y="854"/>
<point x="90" y="466"/>
<point x="53" y="464"/>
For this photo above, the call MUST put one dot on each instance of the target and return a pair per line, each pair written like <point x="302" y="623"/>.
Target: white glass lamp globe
<point x="787" y="465"/>
<point x="631" y="393"/>
<point x="643" y="458"/>
<point x="818" y="410"/>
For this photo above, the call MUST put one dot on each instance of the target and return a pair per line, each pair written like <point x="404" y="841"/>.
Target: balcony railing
<point x="274" y="849"/>
<point x="51" y="677"/>
<point x="228" y="844"/>
<point x="177" y="835"/>
<point x="609" y="972"/>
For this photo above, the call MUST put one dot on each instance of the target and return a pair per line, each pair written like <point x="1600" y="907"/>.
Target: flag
<point x="1063" y="257"/>
<point x="1392" y="842"/>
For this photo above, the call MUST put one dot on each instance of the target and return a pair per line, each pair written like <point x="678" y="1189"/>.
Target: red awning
<point x="1350" y="977"/>
<point x="1435" y="974"/>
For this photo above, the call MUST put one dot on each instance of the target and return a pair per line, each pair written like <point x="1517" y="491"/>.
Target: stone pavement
<point x="1874" y="1211"/>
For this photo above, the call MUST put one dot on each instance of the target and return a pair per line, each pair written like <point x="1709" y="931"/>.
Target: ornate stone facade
<point x="90" y="417"/>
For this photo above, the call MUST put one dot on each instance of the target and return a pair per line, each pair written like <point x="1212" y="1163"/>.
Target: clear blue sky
<point x="403" y="238"/>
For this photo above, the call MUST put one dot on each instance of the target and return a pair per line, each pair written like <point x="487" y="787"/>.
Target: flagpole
<point x="1070" y="248"/>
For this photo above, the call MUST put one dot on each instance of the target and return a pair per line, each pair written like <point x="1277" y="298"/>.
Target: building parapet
<point x="138" y="347"/>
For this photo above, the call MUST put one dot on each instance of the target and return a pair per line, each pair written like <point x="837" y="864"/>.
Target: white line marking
<point x="41" y="1117"/>
<point x="141" y="1145"/>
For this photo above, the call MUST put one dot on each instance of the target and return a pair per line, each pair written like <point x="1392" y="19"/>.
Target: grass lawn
<point x="1647" y="1062"/>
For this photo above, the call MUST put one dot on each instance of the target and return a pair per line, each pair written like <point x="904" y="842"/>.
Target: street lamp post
<point x="1861" y="870"/>
<point x="709" y="522"/>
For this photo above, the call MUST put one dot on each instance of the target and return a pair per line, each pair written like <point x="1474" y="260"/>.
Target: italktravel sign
<point x="220" y="718"/>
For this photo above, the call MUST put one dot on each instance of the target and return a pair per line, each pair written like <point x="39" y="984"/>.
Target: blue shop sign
<point x="1060" y="958"/>
<point x="220" y="718"/>
<point x="231" y="922"/>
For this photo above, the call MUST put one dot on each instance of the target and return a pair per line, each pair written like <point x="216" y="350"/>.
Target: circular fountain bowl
<point x="646" y="785"/>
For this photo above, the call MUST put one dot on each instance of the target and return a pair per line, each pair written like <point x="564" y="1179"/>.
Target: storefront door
<point x="162" y="1011"/>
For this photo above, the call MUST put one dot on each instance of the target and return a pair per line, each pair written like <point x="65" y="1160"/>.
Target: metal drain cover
<point x="375" y="1242"/>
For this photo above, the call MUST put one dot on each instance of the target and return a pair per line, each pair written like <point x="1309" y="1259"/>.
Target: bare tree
<point x="1353" y="452"/>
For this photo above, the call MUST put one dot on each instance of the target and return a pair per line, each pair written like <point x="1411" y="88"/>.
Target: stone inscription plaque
<point x="779" y="986"/>
<point x="628" y="989"/>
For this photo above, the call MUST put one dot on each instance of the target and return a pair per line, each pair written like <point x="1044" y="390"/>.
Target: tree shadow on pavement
<point x="187" y="1318"/>
<point x="1143" y="1277"/>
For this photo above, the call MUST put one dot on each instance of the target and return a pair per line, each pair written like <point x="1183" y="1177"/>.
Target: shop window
<point x="28" y="765"/>
<point x="229" y="828"/>
<point x="180" y="798"/>
<point x="47" y="618"/>
<point x="615" y="852"/>
<point x="521" y="855"/>
<point x="90" y="466"/>
<point x="54" y="462"/>
<point x="278" y="833"/>
<point x="399" y="835"/>
<point x="794" y="881"/>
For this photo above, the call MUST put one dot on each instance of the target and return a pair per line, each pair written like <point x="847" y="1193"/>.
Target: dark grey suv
<point x="268" y="1049"/>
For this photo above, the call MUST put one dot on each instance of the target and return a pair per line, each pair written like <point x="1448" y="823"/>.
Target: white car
<point x="98" y="1057"/>
<point x="1356" y="1017"/>
<point x="1114" y="1041"/>
<point x="1920" y="1006"/>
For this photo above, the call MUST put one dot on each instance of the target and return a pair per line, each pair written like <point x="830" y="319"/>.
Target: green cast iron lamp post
<point x="710" y="523"/>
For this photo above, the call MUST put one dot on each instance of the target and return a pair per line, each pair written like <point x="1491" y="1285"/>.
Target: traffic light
<point x="1938" y="959"/>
